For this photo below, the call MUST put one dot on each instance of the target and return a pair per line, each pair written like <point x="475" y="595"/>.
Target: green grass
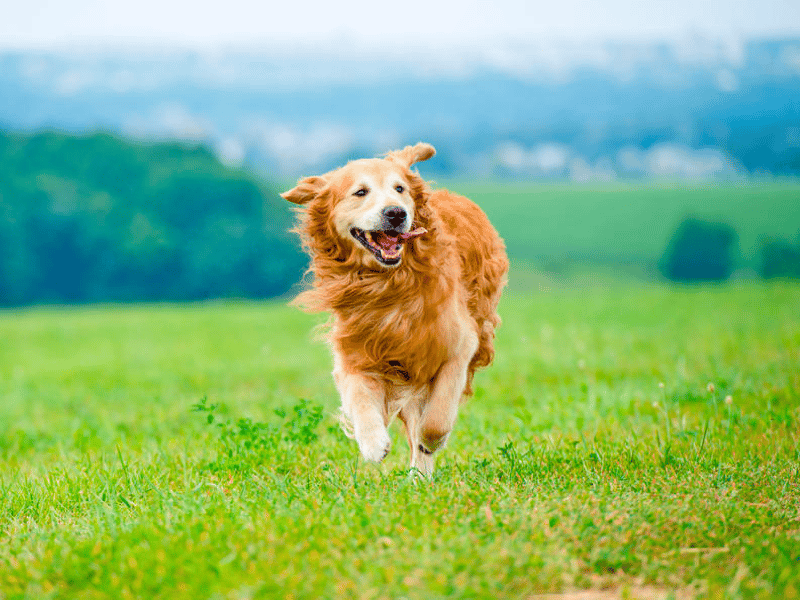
<point x="572" y="468"/>
<point x="557" y="224"/>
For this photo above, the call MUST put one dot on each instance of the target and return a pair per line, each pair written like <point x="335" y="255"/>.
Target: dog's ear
<point x="412" y="154"/>
<point x="305" y="190"/>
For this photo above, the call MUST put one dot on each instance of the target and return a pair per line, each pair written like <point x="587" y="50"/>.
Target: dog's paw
<point x="422" y="464"/>
<point x="374" y="443"/>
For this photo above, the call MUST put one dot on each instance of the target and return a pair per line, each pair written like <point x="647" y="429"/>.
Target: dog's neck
<point x="356" y="289"/>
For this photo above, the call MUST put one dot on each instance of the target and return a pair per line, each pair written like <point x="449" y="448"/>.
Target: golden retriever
<point x="412" y="278"/>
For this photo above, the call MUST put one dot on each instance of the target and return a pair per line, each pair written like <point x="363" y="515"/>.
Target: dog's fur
<point x="406" y="337"/>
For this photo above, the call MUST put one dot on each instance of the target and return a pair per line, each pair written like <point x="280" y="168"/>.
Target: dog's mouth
<point x="385" y="245"/>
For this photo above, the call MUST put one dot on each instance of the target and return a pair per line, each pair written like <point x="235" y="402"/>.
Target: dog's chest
<point x="405" y="341"/>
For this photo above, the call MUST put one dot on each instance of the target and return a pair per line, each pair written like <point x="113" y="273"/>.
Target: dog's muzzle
<point x="386" y="245"/>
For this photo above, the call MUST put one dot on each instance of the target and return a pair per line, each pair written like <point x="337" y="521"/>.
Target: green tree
<point x="700" y="251"/>
<point x="98" y="218"/>
<point x="779" y="258"/>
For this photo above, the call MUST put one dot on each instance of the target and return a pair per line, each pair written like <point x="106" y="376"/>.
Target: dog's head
<point x="367" y="210"/>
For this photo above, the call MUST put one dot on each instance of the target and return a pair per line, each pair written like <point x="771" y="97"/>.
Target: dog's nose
<point x="394" y="215"/>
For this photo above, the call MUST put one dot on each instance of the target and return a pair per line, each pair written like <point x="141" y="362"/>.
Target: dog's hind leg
<point x="363" y="404"/>
<point x="422" y="460"/>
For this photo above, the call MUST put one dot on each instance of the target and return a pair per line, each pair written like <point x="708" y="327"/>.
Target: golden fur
<point x="406" y="339"/>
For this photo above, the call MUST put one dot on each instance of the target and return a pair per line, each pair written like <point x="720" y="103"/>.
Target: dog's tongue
<point x="412" y="234"/>
<point x="388" y="242"/>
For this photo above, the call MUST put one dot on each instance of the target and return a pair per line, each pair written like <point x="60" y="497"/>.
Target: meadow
<point x="630" y="223"/>
<point x="630" y="441"/>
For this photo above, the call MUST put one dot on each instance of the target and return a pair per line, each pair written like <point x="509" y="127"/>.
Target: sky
<point x="203" y="23"/>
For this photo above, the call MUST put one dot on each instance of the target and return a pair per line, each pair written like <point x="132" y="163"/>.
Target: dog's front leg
<point x="439" y="414"/>
<point x="363" y="404"/>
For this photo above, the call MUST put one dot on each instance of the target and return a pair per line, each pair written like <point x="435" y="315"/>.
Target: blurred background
<point x="143" y="145"/>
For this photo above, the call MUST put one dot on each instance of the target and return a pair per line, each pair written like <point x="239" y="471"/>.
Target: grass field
<point x="594" y="456"/>
<point x="558" y="224"/>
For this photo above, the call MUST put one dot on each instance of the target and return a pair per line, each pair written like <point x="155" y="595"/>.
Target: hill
<point x="630" y="224"/>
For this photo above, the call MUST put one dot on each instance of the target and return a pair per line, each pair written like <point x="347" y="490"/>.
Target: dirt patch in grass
<point x="636" y="593"/>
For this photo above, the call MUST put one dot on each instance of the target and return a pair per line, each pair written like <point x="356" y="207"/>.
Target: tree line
<point x="97" y="218"/>
<point x="705" y="251"/>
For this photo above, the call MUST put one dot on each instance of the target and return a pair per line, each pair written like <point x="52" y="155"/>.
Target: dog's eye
<point x="361" y="192"/>
<point x="400" y="189"/>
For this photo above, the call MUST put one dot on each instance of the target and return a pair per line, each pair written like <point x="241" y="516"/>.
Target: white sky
<point x="204" y="23"/>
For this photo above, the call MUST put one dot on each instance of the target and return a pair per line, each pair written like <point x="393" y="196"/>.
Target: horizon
<point x="375" y="28"/>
